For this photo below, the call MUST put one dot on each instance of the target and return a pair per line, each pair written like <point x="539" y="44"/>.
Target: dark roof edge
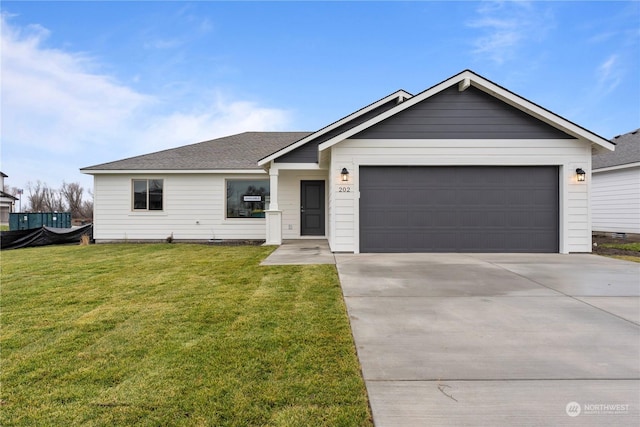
<point x="320" y="132"/>
<point x="536" y="104"/>
<point x="147" y="154"/>
<point x="99" y="165"/>
<point x="3" y="194"/>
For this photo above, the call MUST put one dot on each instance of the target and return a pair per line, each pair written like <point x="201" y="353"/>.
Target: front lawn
<point x="627" y="247"/>
<point x="174" y="334"/>
<point x="634" y="247"/>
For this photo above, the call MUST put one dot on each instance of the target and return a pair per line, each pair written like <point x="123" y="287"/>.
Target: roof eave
<point x="465" y="79"/>
<point x="399" y="94"/>
<point x="616" y="167"/>
<point x="88" y="171"/>
<point x="540" y="112"/>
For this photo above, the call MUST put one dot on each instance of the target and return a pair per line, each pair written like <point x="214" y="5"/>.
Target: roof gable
<point x="308" y="152"/>
<point x="342" y="125"/>
<point x="466" y="79"/>
<point x="455" y="114"/>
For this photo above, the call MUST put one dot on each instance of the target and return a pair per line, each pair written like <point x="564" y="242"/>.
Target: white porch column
<point x="273" y="215"/>
<point x="273" y="185"/>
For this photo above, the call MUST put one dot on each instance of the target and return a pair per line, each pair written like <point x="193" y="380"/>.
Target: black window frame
<point x="153" y="200"/>
<point x="249" y="209"/>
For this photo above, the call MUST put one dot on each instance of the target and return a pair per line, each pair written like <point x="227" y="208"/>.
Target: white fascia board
<point x="539" y="112"/>
<point x="618" y="167"/>
<point x="487" y="87"/>
<point x="296" y="166"/>
<point x="400" y="107"/>
<point x="172" y="171"/>
<point x="401" y="94"/>
<point x="464" y="85"/>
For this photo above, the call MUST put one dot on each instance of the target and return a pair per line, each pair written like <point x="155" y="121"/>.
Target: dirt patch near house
<point x="602" y="239"/>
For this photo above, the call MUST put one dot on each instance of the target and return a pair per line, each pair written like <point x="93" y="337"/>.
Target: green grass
<point x="4" y="228"/>
<point x="184" y="335"/>
<point x="624" y="246"/>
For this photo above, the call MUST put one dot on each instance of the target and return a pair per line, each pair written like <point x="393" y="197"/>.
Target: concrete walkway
<point x="496" y="339"/>
<point x="301" y="252"/>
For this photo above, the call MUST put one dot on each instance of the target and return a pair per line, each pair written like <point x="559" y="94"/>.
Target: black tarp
<point x="43" y="236"/>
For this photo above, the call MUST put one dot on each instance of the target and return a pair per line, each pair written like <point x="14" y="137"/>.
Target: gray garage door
<point x="459" y="209"/>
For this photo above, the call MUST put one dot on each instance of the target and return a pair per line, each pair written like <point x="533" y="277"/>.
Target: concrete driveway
<point x="496" y="339"/>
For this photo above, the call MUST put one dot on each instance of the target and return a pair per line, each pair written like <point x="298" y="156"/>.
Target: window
<point x="247" y="198"/>
<point x="147" y="194"/>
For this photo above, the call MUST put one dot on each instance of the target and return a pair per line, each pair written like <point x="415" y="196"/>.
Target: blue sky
<point x="89" y="82"/>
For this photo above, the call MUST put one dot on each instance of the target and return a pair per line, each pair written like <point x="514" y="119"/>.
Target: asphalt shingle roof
<point x="627" y="151"/>
<point x="241" y="151"/>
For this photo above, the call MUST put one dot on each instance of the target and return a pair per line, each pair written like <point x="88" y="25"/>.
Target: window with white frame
<point x="247" y="198"/>
<point x="147" y="194"/>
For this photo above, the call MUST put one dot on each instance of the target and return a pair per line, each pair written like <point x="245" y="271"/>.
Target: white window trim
<point x="243" y="220"/>
<point x="147" y="210"/>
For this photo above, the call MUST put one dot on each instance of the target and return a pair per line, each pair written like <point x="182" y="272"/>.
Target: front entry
<point x="312" y="208"/>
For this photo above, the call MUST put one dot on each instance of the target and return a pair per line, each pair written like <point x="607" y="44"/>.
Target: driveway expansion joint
<point x="427" y="328"/>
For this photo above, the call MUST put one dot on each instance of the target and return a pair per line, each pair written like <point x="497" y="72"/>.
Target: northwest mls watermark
<point x="574" y="409"/>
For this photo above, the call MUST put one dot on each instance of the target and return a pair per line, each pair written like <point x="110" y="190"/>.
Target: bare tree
<point x="87" y="209"/>
<point x="87" y="206"/>
<point x="44" y="199"/>
<point x="55" y="201"/>
<point x="36" y="196"/>
<point x="70" y="198"/>
<point x="72" y="195"/>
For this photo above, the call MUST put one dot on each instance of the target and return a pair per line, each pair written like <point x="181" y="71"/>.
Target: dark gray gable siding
<point x="308" y="153"/>
<point x="452" y="114"/>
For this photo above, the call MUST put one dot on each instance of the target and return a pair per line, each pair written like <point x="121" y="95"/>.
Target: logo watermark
<point x="574" y="409"/>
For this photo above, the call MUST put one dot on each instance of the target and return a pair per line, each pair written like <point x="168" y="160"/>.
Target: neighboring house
<point x="6" y="202"/>
<point x="464" y="166"/>
<point x="615" y="191"/>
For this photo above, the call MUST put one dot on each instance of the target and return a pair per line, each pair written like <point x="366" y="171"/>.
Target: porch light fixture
<point x="581" y="174"/>
<point x="345" y="175"/>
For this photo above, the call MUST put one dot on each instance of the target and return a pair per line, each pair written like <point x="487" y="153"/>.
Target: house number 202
<point x="344" y="189"/>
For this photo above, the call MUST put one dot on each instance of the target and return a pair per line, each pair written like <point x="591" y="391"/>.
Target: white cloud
<point x="506" y="27"/>
<point x="52" y="100"/>
<point x="222" y="117"/>
<point x="60" y="112"/>
<point x="609" y="74"/>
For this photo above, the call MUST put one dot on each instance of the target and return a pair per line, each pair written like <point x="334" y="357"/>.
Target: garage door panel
<point x="482" y="219"/>
<point x="541" y="198"/>
<point x="395" y="241"/>
<point x="431" y="218"/>
<point x="474" y="241"/>
<point x="459" y="209"/>
<point x="527" y="221"/>
<point x="387" y="177"/>
<point x="394" y="218"/>
<point x="429" y="240"/>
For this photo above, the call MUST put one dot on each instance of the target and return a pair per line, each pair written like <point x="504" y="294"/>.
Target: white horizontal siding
<point x="194" y="209"/>
<point x="289" y="198"/>
<point x="615" y="201"/>
<point x="575" y="231"/>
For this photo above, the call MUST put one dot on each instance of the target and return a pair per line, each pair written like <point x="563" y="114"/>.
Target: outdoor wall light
<point x="581" y="174"/>
<point x="345" y="175"/>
